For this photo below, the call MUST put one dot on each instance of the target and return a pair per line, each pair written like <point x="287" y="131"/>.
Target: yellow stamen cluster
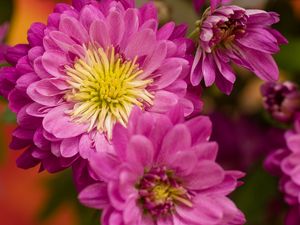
<point x="165" y="192"/>
<point x="105" y="88"/>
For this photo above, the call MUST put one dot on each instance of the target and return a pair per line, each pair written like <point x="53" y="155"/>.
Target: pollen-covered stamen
<point x="105" y="88"/>
<point x="160" y="192"/>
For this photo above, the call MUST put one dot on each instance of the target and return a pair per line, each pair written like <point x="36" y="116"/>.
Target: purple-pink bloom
<point x="281" y="100"/>
<point x="213" y="4"/>
<point x="84" y="71"/>
<point x="231" y="34"/>
<point x="163" y="171"/>
<point x="3" y="47"/>
<point x="285" y="163"/>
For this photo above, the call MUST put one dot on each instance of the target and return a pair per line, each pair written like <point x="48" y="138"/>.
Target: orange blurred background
<point x="23" y="192"/>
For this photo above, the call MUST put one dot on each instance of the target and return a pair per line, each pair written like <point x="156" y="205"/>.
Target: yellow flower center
<point x="163" y="193"/>
<point x="159" y="192"/>
<point x="105" y="87"/>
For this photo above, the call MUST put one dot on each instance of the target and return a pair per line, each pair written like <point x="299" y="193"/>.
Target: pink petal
<point x="141" y="44"/>
<point x="204" y="211"/>
<point x="69" y="147"/>
<point x="104" y="165"/>
<point x="58" y="123"/>
<point x="200" y="128"/>
<point x="154" y="61"/>
<point x="115" y="27"/>
<point x="140" y="151"/>
<point x="74" y="29"/>
<point x="102" y="38"/>
<point x="94" y="196"/>
<point x="171" y="145"/>
<point x="54" y="62"/>
<point x="205" y="175"/>
<point x="206" y="150"/>
<point x="163" y="101"/>
<point x="170" y="70"/>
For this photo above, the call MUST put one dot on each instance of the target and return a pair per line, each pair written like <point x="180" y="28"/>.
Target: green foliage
<point x="288" y="58"/>
<point x="6" y="8"/>
<point x="256" y="196"/>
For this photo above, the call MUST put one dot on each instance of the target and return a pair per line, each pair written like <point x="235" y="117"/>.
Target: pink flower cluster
<point x="103" y="89"/>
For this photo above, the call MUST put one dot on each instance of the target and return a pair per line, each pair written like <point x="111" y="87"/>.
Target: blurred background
<point x="246" y="134"/>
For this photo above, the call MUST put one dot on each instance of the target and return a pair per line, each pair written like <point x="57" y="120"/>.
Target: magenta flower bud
<point x="282" y="101"/>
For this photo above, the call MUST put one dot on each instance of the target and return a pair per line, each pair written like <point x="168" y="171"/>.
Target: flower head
<point x="285" y="163"/>
<point x="233" y="34"/>
<point x="85" y="71"/>
<point x="163" y="171"/>
<point x="282" y="101"/>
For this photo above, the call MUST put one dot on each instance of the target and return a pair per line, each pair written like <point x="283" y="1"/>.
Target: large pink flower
<point x="84" y="71"/>
<point x="163" y="172"/>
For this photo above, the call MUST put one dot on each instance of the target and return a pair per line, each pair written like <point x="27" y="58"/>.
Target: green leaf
<point x="256" y="196"/>
<point x="6" y="8"/>
<point x="288" y="58"/>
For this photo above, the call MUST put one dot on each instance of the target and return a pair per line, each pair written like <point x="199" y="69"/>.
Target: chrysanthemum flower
<point x="213" y="3"/>
<point x="282" y="101"/>
<point x="84" y="71"/>
<point x="233" y="34"/>
<point x="285" y="163"/>
<point x="3" y="47"/>
<point x="163" y="171"/>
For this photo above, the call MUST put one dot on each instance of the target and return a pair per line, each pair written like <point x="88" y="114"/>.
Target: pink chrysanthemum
<point x="84" y="71"/>
<point x="163" y="171"/>
<point x="233" y="34"/>
<point x="285" y="163"/>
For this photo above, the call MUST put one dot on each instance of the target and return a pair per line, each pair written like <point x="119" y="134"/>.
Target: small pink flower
<point x="285" y="163"/>
<point x="163" y="172"/>
<point x="231" y="34"/>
